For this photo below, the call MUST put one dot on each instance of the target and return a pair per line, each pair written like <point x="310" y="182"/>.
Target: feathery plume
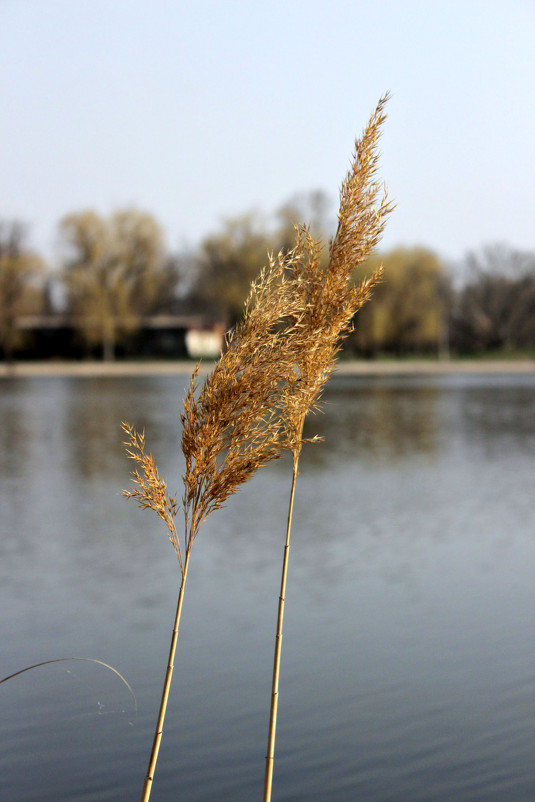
<point x="327" y="300"/>
<point x="252" y="406"/>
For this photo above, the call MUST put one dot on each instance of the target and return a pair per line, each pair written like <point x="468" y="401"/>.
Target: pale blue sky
<point x="197" y="111"/>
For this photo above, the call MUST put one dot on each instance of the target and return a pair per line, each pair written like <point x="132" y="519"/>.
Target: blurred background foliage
<point x="22" y="285"/>
<point x="114" y="272"/>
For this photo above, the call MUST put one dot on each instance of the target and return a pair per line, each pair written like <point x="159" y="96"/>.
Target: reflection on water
<point x="408" y="664"/>
<point x="383" y="421"/>
<point x="499" y="417"/>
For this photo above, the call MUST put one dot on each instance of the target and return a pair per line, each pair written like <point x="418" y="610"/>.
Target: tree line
<point x="115" y="271"/>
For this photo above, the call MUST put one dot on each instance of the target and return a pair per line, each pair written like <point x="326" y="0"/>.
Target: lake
<point x="408" y="664"/>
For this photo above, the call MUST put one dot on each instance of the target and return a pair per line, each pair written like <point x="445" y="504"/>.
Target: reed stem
<point x="147" y="785"/>
<point x="270" y="756"/>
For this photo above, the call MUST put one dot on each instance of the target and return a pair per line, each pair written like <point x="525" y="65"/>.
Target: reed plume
<point x="328" y="300"/>
<point x="252" y="406"/>
<point x="231" y="427"/>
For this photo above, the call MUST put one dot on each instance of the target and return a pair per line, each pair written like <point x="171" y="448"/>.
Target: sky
<point x="201" y="111"/>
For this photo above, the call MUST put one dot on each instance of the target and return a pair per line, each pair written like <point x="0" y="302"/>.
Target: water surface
<point x="408" y="659"/>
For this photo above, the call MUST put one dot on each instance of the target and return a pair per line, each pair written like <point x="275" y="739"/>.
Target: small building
<point x="159" y="336"/>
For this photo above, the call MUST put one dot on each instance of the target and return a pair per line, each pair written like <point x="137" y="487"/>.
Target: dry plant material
<point x="252" y="406"/>
<point x="328" y="301"/>
<point x="80" y="660"/>
<point x="231" y="427"/>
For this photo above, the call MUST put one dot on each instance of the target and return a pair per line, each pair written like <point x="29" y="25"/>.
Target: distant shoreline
<point x="184" y="368"/>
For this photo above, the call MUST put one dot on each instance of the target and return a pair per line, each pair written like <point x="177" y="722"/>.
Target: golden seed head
<point x="252" y="406"/>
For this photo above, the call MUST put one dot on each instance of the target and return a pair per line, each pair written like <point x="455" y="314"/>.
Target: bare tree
<point x="19" y="294"/>
<point x="312" y="209"/>
<point x="496" y="307"/>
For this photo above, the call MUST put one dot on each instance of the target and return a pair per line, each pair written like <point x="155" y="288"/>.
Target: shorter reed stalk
<point x="147" y="785"/>
<point x="231" y="427"/>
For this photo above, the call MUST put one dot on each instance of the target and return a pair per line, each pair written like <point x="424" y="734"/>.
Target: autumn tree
<point x="116" y="272"/>
<point x="410" y="308"/>
<point x="20" y="294"/>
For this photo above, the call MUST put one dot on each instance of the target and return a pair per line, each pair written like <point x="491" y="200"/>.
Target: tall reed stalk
<point x="251" y="408"/>
<point x="329" y="301"/>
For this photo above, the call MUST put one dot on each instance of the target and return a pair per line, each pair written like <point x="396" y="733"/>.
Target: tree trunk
<point x="108" y="349"/>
